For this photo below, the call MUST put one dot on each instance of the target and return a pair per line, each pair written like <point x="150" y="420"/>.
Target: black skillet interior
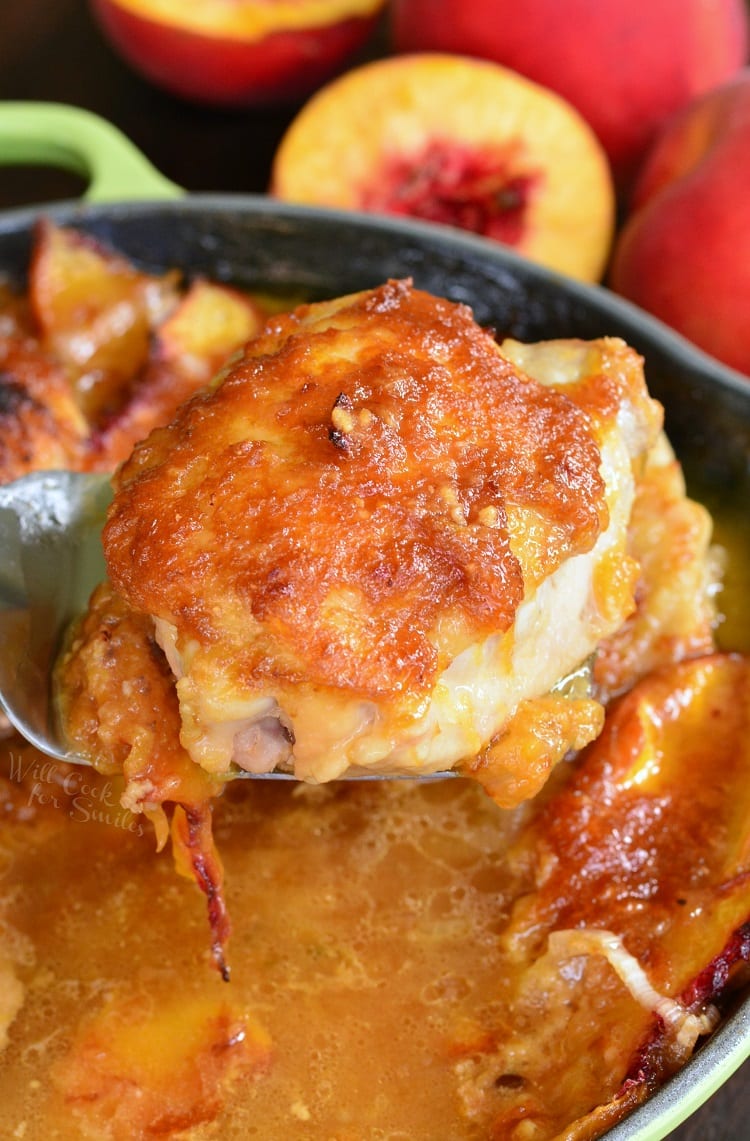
<point x="256" y="243"/>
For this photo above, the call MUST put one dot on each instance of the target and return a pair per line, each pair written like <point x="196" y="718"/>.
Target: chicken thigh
<point x="377" y="544"/>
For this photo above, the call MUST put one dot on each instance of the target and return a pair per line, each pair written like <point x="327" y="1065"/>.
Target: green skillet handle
<point x="54" y="134"/>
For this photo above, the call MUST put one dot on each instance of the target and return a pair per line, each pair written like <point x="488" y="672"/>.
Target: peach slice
<point x="456" y="141"/>
<point x="154" y="1064"/>
<point x="94" y="312"/>
<point x="237" y="52"/>
<point x="210" y="322"/>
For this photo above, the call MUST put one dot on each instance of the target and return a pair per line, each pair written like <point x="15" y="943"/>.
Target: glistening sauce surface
<point x="364" y="931"/>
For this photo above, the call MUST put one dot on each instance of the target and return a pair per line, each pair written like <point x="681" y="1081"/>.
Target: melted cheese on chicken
<point x="376" y="539"/>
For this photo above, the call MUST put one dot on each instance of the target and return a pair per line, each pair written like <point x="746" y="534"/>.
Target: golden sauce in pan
<point x="389" y="979"/>
<point x="732" y="532"/>
<point x="364" y="932"/>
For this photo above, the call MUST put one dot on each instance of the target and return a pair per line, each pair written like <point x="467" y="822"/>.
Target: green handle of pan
<point x="54" y="134"/>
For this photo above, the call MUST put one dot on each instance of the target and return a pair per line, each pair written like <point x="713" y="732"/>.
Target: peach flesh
<point x="473" y="189"/>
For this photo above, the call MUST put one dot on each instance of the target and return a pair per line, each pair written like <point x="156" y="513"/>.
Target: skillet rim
<point x="272" y="212"/>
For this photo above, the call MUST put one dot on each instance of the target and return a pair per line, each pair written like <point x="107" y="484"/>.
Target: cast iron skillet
<point x="257" y="243"/>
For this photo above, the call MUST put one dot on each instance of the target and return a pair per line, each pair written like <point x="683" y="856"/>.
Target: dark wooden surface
<point x="52" y="50"/>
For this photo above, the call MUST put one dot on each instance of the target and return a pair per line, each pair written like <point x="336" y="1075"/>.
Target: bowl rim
<point x="713" y="1064"/>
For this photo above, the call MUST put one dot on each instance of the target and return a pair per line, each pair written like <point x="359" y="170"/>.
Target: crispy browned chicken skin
<point x="375" y="540"/>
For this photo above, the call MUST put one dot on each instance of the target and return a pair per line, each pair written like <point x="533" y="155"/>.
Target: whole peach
<point x="684" y="252"/>
<point x="240" y="53"/>
<point x="626" y="65"/>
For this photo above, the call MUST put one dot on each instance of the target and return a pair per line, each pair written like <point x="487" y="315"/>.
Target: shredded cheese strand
<point x="686" y="1026"/>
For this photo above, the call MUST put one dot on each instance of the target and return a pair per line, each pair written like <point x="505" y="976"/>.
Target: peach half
<point x="461" y="142"/>
<point x="237" y="52"/>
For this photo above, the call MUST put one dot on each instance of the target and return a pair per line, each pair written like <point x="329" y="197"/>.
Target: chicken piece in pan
<point x="41" y="426"/>
<point x="375" y="543"/>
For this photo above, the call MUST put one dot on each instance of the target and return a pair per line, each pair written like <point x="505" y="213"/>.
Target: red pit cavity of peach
<point x="477" y="190"/>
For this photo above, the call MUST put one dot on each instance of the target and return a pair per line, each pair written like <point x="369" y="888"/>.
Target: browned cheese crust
<point x="361" y="456"/>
